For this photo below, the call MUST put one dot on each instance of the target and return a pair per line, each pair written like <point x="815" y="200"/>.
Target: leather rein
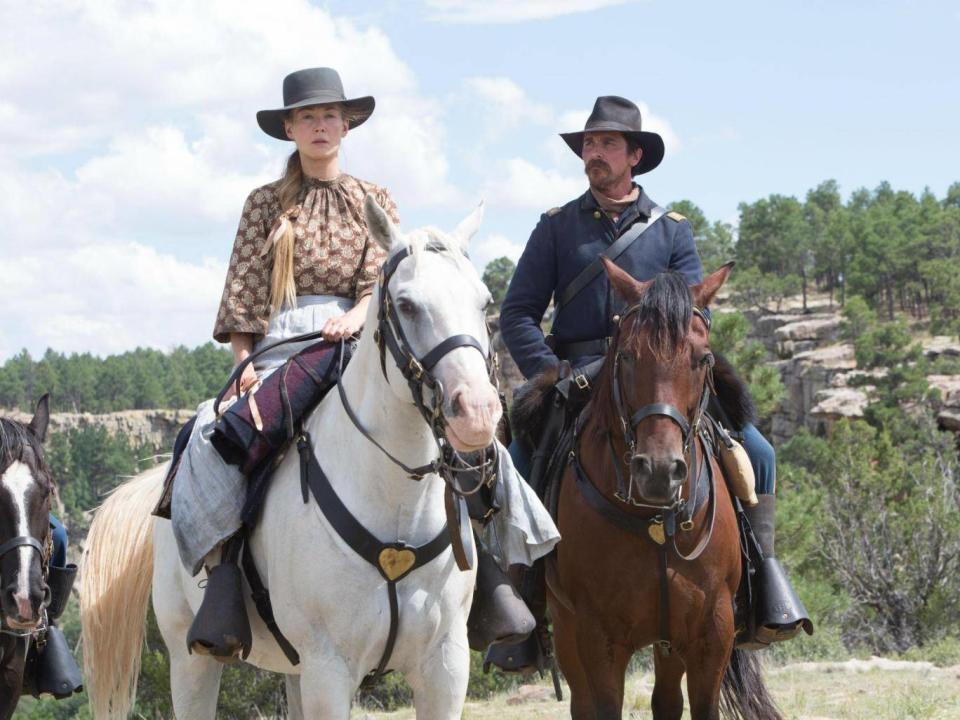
<point x="660" y="528"/>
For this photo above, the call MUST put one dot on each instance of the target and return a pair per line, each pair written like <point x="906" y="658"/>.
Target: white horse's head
<point x="438" y="295"/>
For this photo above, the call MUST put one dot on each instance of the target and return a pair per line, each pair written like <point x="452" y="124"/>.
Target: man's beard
<point x="601" y="180"/>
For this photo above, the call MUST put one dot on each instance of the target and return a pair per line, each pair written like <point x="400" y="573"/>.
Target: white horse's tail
<point x="115" y="582"/>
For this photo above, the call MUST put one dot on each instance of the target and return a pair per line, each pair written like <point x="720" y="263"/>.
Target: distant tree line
<point x="136" y="380"/>
<point x="897" y="251"/>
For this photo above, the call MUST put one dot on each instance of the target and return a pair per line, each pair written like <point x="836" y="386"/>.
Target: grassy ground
<point x="853" y="690"/>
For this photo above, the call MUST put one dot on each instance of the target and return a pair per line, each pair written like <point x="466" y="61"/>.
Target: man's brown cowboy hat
<point x="617" y="114"/>
<point x="313" y="86"/>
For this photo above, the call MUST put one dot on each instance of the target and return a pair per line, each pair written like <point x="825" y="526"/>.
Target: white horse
<point x="330" y="603"/>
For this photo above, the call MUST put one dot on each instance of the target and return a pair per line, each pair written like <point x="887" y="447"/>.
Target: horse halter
<point x="45" y="549"/>
<point x="418" y="373"/>
<point x="629" y="423"/>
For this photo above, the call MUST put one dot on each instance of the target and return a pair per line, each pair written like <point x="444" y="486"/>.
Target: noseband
<point x="45" y="549"/>
<point x="418" y="372"/>
<point x="629" y="423"/>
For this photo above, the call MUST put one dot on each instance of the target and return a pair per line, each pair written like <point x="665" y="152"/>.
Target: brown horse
<point x="26" y="489"/>
<point x="651" y="550"/>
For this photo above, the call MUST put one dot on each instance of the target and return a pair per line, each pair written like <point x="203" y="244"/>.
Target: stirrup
<point x="780" y="614"/>
<point x="498" y="614"/>
<point x="221" y="628"/>
<point x="522" y="658"/>
<point x="53" y="670"/>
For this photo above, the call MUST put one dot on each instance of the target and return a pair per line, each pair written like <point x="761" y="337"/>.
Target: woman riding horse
<point x="303" y="261"/>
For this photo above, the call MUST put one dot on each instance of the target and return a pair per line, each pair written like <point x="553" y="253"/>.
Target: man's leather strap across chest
<point x="613" y="252"/>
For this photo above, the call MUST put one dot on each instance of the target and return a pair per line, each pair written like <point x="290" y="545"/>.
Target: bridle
<point x="628" y="425"/>
<point x="418" y="372"/>
<point x="45" y="549"/>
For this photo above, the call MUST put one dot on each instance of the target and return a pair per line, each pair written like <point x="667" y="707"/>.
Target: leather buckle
<point x="415" y="368"/>
<point x="582" y="381"/>
<point x="686" y="525"/>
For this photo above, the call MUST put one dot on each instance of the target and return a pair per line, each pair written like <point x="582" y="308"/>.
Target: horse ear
<point x="468" y="227"/>
<point x="379" y="225"/>
<point x="41" y="418"/>
<point x="705" y="291"/>
<point x="623" y="283"/>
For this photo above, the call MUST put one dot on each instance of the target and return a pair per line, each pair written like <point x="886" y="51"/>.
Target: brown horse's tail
<point x="743" y="694"/>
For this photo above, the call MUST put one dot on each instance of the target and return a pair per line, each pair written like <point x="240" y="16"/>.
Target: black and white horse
<point x="26" y="490"/>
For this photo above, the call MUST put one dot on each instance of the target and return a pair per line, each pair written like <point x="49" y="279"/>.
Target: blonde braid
<point x="283" y="287"/>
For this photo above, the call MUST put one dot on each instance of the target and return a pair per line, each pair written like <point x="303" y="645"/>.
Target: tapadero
<point x="562" y="244"/>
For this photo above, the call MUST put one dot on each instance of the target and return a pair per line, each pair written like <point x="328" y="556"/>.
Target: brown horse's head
<point x="657" y="373"/>
<point x="26" y="489"/>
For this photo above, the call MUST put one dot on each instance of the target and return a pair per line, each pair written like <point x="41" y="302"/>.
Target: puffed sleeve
<point x="373" y="252"/>
<point x="245" y="305"/>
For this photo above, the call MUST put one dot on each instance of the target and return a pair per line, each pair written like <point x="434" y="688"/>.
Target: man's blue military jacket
<point x="562" y="244"/>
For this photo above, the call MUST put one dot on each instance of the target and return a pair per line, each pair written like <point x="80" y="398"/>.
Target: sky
<point x="128" y="139"/>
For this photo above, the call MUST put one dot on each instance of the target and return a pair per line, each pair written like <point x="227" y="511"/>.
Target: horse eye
<point x="406" y="307"/>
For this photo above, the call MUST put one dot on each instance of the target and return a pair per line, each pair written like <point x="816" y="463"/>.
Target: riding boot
<point x="52" y="669"/>
<point x="221" y="627"/>
<point x="498" y="614"/>
<point x="533" y="653"/>
<point x="779" y="613"/>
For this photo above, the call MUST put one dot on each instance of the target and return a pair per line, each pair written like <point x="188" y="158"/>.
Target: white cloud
<point x="525" y="185"/>
<point x="492" y="247"/>
<point x="109" y="298"/>
<point x="511" y="11"/>
<point x="507" y="104"/>
<point x="136" y="123"/>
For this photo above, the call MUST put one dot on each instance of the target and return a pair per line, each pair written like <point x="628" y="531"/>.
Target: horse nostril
<point x="456" y="404"/>
<point x="678" y="470"/>
<point x="47" y="595"/>
<point x="641" y="466"/>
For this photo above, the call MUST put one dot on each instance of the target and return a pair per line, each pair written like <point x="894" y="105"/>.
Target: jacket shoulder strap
<point x="613" y="252"/>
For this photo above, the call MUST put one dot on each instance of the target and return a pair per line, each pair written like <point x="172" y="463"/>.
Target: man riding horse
<point x="617" y="218"/>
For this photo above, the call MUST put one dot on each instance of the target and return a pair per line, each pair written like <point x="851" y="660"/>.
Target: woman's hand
<point x="340" y="328"/>
<point x="247" y="380"/>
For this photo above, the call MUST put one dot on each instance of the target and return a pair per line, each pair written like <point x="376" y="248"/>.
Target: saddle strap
<point x="261" y="598"/>
<point x="394" y="561"/>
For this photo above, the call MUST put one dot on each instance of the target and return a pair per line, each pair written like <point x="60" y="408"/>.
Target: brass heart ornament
<point x="395" y="563"/>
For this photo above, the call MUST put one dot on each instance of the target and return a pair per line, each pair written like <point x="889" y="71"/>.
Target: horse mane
<point x="664" y="311"/>
<point x="732" y="393"/>
<point x="15" y="440"/>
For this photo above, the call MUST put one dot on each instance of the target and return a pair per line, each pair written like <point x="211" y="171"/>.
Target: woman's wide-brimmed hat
<point x="617" y="114"/>
<point x="313" y="86"/>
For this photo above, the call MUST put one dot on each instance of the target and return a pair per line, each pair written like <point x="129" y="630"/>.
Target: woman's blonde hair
<point x="283" y="287"/>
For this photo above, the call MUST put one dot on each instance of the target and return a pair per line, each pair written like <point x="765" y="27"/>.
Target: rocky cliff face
<point x="817" y="369"/>
<point x="156" y="428"/>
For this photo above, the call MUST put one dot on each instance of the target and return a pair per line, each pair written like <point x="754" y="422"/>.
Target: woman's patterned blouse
<point x="333" y="254"/>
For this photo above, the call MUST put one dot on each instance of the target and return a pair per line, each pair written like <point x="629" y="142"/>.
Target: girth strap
<point x="394" y="561"/>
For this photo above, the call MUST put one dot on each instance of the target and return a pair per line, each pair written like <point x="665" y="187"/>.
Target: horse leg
<point x="11" y="675"/>
<point x="440" y="683"/>
<point x="565" y="645"/>
<point x="605" y="662"/>
<point x="326" y="686"/>
<point x="707" y="661"/>
<point x="194" y="679"/>
<point x="667" y="699"/>
<point x="294" y="703"/>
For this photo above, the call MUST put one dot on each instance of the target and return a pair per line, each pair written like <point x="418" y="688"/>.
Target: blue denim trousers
<point x="59" y="533"/>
